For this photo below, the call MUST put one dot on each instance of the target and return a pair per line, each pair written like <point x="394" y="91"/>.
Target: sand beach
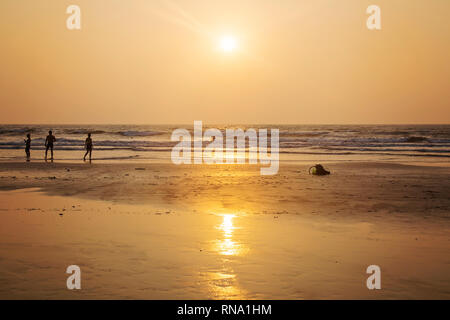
<point x="160" y="231"/>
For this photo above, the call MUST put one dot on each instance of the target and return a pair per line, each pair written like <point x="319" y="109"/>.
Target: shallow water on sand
<point x="145" y="252"/>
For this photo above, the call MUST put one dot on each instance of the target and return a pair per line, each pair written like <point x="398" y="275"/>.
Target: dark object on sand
<point x="318" y="170"/>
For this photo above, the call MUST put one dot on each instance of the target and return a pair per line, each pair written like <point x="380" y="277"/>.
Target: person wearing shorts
<point x="88" y="146"/>
<point x="49" y="144"/>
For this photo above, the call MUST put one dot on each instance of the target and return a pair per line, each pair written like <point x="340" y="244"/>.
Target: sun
<point x="228" y="43"/>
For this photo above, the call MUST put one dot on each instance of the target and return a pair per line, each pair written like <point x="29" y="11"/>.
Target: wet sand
<point x="158" y="231"/>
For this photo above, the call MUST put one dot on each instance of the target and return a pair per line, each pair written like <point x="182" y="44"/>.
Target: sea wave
<point x="417" y="139"/>
<point x="304" y="133"/>
<point x="16" y="131"/>
<point x="40" y="130"/>
<point x="140" y="133"/>
<point x="297" y="139"/>
<point x="83" y="131"/>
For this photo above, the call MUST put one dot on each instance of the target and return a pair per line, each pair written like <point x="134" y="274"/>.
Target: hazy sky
<point x="158" y="61"/>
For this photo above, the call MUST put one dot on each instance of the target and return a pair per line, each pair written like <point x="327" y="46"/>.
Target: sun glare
<point x="228" y="43"/>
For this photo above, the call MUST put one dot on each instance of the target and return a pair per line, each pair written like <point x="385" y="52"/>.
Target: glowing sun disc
<point x="228" y="43"/>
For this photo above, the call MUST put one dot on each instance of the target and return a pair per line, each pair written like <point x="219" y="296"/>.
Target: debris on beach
<point x="318" y="170"/>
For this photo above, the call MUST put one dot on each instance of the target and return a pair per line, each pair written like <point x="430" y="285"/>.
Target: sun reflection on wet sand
<point x="224" y="282"/>
<point x="227" y="246"/>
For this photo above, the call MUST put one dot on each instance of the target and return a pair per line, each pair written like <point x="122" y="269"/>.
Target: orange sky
<point x="157" y="61"/>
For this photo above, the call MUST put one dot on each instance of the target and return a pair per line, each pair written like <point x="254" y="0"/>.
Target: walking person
<point x="49" y="144"/>
<point x="28" y="146"/>
<point x="88" y="146"/>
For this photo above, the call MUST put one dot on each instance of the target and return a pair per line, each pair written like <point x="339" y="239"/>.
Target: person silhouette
<point x="88" y="146"/>
<point x="28" y="146"/>
<point x="49" y="144"/>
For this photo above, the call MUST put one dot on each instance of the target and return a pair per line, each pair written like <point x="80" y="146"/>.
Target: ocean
<point x="423" y="143"/>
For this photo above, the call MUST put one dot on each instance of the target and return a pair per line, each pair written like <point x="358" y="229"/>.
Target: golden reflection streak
<point x="223" y="282"/>
<point x="227" y="246"/>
